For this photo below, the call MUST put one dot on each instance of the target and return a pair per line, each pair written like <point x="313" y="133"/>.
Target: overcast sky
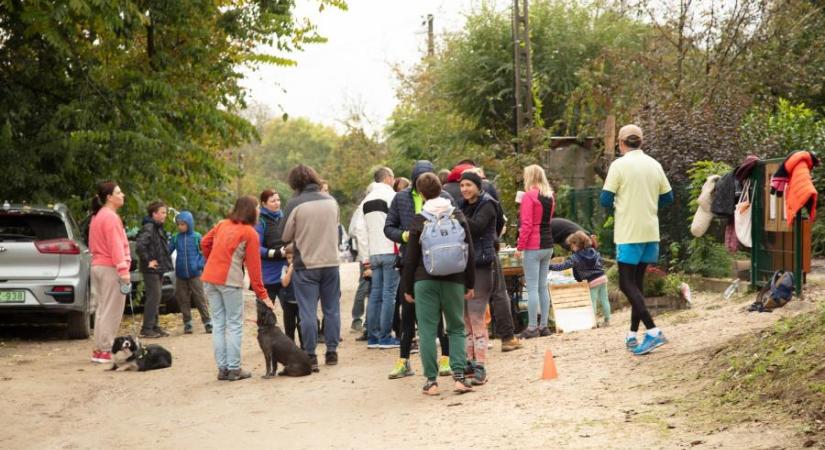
<point x="354" y="67"/>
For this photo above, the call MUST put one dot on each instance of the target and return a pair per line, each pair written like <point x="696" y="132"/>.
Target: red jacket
<point x="800" y="191"/>
<point x="227" y="247"/>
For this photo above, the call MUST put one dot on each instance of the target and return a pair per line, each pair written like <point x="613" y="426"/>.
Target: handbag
<point x="742" y="216"/>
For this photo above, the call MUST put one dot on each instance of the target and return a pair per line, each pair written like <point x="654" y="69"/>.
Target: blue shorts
<point x="633" y="254"/>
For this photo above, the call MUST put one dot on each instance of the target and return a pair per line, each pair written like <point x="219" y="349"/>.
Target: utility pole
<point x="430" y="36"/>
<point x="523" y="70"/>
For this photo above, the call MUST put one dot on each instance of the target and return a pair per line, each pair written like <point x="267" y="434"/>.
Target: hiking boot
<point x="373" y="343"/>
<point x="313" y="361"/>
<point x="401" y="369"/>
<point x="389" y="343"/>
<point x="237" y="374"/>
<point x="223" y="374"/>
<point x="208" y="328"/>
<point x="545" y="331"/>
<point x="631" y="343"/>
<point x="510" y="344"/>
<point x="150" y="334"/>
<point x="430" y="388"/>
<point x="331" y="358"/>
<point x="650" y="343"/>
<point x="479" y="375"/>
<point x="530" y="333"/>
<point x="444" y="369"/>
<point x="187" y="328"/>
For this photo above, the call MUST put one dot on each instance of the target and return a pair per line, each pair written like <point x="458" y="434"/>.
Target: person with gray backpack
<point x="437" y="277"/>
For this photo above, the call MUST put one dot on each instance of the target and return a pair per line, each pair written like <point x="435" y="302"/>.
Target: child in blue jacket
<point x="586" y="263"/>
<point x="189" y="264"/>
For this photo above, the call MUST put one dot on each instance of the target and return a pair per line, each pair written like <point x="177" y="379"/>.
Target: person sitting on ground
<point x="480" y="211"/>
<point x="437" y="295"/>
<point x="189" y="264"/>
<point x="586" y="263"/>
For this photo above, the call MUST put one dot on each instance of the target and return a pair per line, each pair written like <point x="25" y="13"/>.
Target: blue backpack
<point x="442" y="245"/>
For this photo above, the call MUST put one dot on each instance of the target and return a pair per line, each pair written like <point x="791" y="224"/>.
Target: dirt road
<point x="51" y="397"/>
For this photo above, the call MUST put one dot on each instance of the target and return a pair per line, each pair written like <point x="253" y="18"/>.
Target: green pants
<point x="598" y="294"/>
<point x="431" y="299"/>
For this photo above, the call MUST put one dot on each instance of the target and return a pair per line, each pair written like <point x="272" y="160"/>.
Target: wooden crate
<point x="572" y="309"/>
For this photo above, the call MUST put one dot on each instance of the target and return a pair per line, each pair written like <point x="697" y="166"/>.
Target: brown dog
<point x="278" y="348"/>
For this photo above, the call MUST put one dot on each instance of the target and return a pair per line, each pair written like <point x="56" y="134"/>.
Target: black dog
<point x="127" y="354"/>
<point x="278" y="348"/>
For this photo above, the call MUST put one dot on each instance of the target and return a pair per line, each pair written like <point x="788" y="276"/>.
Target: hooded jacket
<point x="151" y="245"/>
<point x="413" y="267"/>
<point x="481" y="220"/>
<point x="801" y="192"/>
<point x="269" y="233"/>
<point x="368" y="223"/>
<point x="586" y="265"/>
<point x="189" y="260"/>
<point x="402" y="209"/>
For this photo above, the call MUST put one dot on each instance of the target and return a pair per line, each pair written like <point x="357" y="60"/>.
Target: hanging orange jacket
<point x="800" y="191"/>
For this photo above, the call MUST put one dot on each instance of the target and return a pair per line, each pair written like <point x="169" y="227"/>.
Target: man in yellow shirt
<point x="636" y="187"/>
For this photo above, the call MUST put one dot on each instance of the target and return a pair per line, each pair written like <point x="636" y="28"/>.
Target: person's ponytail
<point x="104" y="190"/>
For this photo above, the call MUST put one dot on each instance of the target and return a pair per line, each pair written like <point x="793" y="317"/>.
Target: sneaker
<point x="631" y="343"/>
<point x="373" y="343"/>
<point x="223" y="374"/>
<point x="101" y="357"/>
<point x="462" y="385"/>
<point x="331" y="358"/>
<point x="479" y="375"/>
<point x="388" y="343"/>
<point x="649" y="344"/>
<point x="529" y="333"/>
<point x="313" y="360"/>
<point x="401" y="369"/>
<point x="430" y="388"/>
<point x="414" y="348"/>
<point x="444" y="366"/>
<point x="511" y="344"/>
<point x="545" y="331"/>
<point x="356" y="327"/>
<point x="469" y="369"/>
<point x="208" y="328"/>
<point x="161" y="331"/>
<point x="237" y="374"/>
<point x="150" y="334"/>
<point x="187" y="328"/>
<point x="362" y="338"/>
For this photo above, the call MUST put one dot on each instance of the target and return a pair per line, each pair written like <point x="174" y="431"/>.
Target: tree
<point x="139" y="91"/>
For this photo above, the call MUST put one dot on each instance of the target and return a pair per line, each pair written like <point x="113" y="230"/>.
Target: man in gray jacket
<point x="311" y="225"/>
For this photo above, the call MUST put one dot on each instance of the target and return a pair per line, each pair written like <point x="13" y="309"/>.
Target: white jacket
<point x="368" y="222"/>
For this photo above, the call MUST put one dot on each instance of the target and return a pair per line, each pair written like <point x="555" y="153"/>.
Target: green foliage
<point x="708" y="258"/>
<point x="698" y="174"/>
<point x="139" y="91"/>
<point x="673" y="283"/>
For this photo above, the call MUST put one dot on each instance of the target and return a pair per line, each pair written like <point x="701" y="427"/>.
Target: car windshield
<point x="31" y="227"/>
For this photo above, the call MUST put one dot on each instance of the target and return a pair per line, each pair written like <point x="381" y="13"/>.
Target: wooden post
<point x="609" y="137"/>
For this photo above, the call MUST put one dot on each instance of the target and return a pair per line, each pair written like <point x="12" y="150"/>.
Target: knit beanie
<point x="472" y="176"/>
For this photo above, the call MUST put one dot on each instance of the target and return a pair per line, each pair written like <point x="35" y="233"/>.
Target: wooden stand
<point x="572" y="308"/>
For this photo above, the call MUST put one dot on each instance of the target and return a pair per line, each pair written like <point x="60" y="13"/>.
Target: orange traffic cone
<point x="549" y="372"/>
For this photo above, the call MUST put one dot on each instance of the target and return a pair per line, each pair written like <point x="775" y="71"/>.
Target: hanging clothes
<point x="800" y="192"/>
<point x="724" y="198"/>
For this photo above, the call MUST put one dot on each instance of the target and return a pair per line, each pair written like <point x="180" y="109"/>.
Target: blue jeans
<point x="381" y="307"/>
<point x="536" y="268"/>
<point x="226" y="303"/>
<point x="361" y="294"/>
<point x="310" y="285"/>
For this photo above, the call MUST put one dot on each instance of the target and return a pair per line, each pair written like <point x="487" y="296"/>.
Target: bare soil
<point x="51" y="397"/>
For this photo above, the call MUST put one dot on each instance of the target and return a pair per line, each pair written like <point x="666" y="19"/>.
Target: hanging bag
<point x="742" y="216"/>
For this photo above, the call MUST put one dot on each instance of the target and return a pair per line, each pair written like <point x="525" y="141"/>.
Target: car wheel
<point x="80" y="323"/>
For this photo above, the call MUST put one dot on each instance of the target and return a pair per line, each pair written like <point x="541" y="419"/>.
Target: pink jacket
<point x="534" y="221"/>
<point x="108" y="243"/>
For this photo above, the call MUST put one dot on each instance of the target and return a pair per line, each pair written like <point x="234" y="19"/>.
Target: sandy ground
<point x="51" y="397"/>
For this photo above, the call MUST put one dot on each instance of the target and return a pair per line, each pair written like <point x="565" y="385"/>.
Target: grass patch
<point x="783" y="366"/>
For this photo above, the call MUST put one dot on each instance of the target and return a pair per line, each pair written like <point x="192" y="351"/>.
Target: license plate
<point x="12" y="296"/>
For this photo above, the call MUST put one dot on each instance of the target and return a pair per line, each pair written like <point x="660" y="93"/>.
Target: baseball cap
<point x="630" y="130"/>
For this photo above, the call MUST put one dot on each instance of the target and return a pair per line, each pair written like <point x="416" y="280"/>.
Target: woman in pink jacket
<point x="110" y="267"/>
<point x="536" y="242"/>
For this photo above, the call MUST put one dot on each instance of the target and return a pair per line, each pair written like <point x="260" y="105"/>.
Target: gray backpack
<point x="442" y="245"/>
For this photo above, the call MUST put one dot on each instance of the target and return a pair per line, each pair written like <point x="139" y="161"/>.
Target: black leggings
<point x="631" y="283"/>
<point x="291" y="320"/>
<point x="408" y="322"/>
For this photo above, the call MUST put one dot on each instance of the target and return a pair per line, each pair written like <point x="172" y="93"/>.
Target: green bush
<point x="655" y="284"/>
<point x="709" y="258"/>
